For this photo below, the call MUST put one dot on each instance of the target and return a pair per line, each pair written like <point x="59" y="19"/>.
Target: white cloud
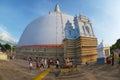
<point x="6" y="36"/>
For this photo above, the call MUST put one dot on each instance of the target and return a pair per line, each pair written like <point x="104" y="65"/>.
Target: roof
<point x="42" y="45"/>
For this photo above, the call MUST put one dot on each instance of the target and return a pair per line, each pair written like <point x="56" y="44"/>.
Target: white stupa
<point x="46" y="30"/>
<point x="47" y="37"/>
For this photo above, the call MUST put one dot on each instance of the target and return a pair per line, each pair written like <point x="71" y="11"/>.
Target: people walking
<point x="57" y="64"/>
<point x="37" y="63"/>
<point x="112" y="58"/>
<point x="30" y="64"/>
<point x="48" y="63"/>
<point x="42" y="63"/>
<point x="119" y="63"/>
<point x="45" y="63"/>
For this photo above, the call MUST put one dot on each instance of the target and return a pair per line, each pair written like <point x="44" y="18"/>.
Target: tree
<point x="13" y="48"/>
<point x="2" y="47"/>
<point x="7" y="47"/>
<point x="116" y="45"/>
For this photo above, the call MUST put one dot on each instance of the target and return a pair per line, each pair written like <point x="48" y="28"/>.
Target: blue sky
<point x="15" y="15"/>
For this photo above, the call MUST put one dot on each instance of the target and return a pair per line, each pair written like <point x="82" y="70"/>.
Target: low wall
<point x="68" y="70"/>
<point x="3" y="56"/>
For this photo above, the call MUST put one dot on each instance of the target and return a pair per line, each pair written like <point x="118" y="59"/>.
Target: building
<point x="80" y="42"/>
<point x="51" y="35"/>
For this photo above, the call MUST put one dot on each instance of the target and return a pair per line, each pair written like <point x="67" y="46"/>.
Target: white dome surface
<point x="47" y="29"/>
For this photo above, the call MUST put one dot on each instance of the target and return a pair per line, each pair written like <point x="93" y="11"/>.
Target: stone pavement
<point x="44" y="74"/>
<point x="90" y="72"/>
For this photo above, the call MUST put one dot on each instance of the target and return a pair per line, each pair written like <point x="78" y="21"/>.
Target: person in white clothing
<point x="30" y="64"/>
<point x="57" y="64"/>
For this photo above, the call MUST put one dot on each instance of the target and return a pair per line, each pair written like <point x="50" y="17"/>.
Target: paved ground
<point x="91" y="72"/>
<point x="18" y="70"/>
<point x="44" y="73"/>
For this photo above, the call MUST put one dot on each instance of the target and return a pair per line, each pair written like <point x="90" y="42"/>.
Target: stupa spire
<point x="57" y="8"/>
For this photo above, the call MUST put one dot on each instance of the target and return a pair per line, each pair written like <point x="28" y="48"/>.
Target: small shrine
<point x="103" y="52"/>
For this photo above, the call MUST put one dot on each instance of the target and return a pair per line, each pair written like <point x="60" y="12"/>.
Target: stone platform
<point x="101" y="60"/>
<point x="68" y="70"/>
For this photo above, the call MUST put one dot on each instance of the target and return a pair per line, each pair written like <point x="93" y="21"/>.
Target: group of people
<point x="69" y="61"/>
<point x="43" y="63"/>
<point x="110" y="60"/>
<point x="46" y="62"/>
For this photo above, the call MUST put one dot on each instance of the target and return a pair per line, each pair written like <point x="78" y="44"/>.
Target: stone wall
<point x="82" y="49"/>
<point x="46" y="52"/>
<point x="3" y="56"/>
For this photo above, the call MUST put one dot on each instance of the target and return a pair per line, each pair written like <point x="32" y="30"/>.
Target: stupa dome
<point x="45" y="30"/>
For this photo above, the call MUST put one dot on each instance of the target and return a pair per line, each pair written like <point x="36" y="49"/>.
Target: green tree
<point x="13" y="48"/>
<point x="7" y="47"/>
<point x="116" y="45"/>
<point x="2" y="47"/>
